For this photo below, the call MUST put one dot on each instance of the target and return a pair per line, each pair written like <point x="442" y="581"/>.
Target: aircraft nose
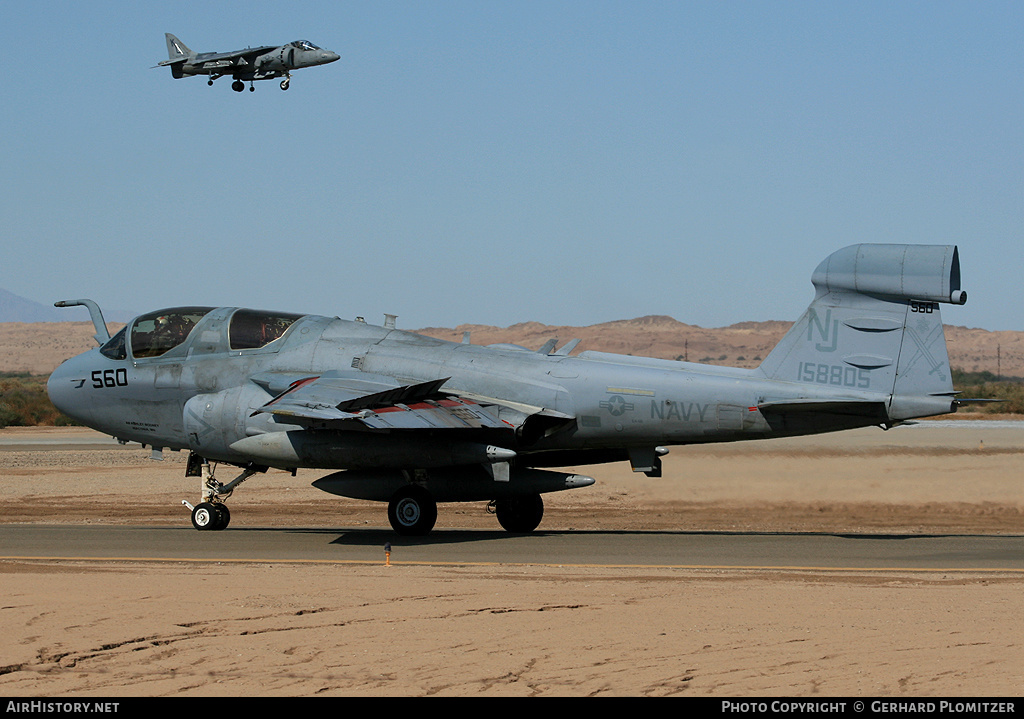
<point x="63" y="386"/>
<point x="329" y="56"/>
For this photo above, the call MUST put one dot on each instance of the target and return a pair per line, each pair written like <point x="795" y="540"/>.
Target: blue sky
<point x="498" y="162"/>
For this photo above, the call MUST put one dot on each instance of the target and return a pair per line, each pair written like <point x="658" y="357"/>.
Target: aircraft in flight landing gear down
<point x="411" y="420"/>
<point x="253" y="63"/>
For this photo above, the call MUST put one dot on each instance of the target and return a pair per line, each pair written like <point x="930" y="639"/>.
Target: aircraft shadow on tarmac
<point x="378" y="537"/>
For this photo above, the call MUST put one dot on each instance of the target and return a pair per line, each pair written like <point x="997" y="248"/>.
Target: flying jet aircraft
<point x="412" y="421"/>
<point x="253" y="63"/>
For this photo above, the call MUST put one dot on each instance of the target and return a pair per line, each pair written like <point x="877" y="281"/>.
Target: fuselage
<point x="275" y="62"/>
<point x="141" y="389"/>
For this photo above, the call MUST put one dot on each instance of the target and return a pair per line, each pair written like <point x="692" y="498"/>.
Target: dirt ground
<point x="286" y="629"/>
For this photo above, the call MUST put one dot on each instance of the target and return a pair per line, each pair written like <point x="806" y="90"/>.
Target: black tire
<point x="520" y="515"/>
<point x="237" y="86"/>
<point x="223" y="516"/>
<point x="205" y="517"/>
<point x="412" y="511"/>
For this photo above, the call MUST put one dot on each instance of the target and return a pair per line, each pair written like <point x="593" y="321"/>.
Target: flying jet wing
<point x="249" y="53"/>
<point x="380" y="402"/>
<point x="220" y="56"/>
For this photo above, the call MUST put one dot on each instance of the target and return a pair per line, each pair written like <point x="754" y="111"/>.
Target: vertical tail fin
<point x="874" y="328"/>
<point x="175" y="47"/>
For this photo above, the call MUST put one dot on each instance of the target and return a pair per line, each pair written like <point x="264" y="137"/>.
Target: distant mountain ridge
<point x="18" y="309"/>
<point x="38" y="347"/>
<point x="14" y="308"/>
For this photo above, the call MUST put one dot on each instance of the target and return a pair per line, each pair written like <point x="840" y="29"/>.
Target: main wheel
<point x="412" y="511"/>
<point x="238" y="86"/>
<point x="520" y="515"/>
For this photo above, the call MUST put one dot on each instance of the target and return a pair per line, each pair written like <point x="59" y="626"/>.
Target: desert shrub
<point x="24" y="402"/>
<point x="985" y="385"/>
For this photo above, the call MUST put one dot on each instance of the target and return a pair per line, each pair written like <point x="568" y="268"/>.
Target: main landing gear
<point x="412" y="512"/>
<point x="519" y="515"/>
<point x="212" y="514"/>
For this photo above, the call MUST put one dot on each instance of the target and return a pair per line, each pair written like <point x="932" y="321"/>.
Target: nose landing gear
<point x="212" y="514"/>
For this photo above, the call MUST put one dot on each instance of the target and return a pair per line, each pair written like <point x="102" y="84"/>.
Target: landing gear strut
<point x="211" y="514"/>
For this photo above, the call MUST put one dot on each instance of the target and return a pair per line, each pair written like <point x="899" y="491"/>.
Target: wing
<point x="226" y="59"/>
<point x="379" y="402"/>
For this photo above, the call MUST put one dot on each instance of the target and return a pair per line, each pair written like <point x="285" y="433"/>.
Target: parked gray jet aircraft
<point x="253" y="63"/>
<point x="412" y="420"/>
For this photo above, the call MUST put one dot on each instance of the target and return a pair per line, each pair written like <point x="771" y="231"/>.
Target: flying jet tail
<point x="874" y="328"/>
<point x="176" y="49"/>
<point x="178" y="54"/>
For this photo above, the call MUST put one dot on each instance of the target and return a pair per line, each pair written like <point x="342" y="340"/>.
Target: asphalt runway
<point x="691" y="550"/>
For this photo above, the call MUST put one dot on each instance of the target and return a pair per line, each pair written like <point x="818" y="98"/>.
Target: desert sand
<point x="109" y="629"/>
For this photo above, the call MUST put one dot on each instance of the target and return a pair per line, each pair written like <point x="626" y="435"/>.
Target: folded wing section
<point x="380" y="402"/>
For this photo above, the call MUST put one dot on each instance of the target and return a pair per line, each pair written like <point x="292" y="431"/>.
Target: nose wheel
<point x="210" y="516"/>
<point x="285" y="83"/>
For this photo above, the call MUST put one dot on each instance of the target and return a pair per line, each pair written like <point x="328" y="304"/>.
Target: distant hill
<point x="18" y="309"/>
<point x="14" y="308"/>
<point x="40" y="346"/>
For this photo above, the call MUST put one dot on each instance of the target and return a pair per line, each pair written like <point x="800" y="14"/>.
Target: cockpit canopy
<point x="156" y="333"/>
<point x="304" y="45"/>
<point x="253" y="328"/>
